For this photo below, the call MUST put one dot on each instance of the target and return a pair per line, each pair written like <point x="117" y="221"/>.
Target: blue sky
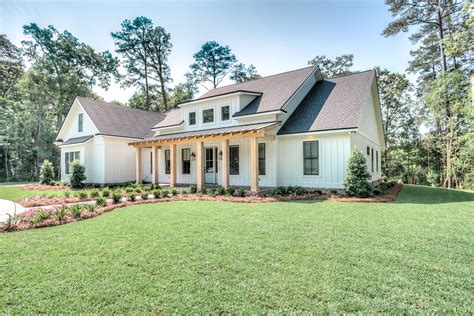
<point x="275" y="36"/>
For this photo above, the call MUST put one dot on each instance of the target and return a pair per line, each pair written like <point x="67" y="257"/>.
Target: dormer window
<point x="208" y="116"/>
<point x="80" y="122"/>
<point x="192" y="118"/>
<point x="225" y="113"/>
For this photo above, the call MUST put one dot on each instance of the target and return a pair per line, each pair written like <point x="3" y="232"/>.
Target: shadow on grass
<point x="303" y="201"/>
<point x="418" y="194"/>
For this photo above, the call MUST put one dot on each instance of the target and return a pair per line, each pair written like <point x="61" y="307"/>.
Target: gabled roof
<point x="117" y="120"/>
<point x="171" y="118"/>
<point x="331" y="104"/>
<point x="276" y="90"/>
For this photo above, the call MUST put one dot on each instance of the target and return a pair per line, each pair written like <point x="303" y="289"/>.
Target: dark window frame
<point x="377" y="161"/>
<point x="234" y="162"/>
<point x="167" y="161"/>
<point x="372" y="160"/>
<point x="192" y="122"/>
<point x="368" y="150"/>
<point x="312" y="159"/>
<point x="204" y="121"/>
<point x="262" y="161"/>
<point x="186" y="161"/>
<point x="80" y="123"/>
<point x="226" y="114"/>
<point x="69" y="157"/>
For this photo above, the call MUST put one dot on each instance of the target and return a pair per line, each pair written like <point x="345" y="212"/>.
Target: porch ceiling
<point x="239" y="131"/>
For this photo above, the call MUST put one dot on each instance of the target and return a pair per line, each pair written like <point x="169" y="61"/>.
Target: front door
<point x="210" y="166"/>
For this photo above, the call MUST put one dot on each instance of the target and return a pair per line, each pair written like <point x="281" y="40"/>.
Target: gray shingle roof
<point x="77" y="140"/>
<point x="331" y="104"/>
<point x="116" y="120"/>
<point x="213" y="131"/>
<point x="275" y="89"/>
<point x="171" y="118"/>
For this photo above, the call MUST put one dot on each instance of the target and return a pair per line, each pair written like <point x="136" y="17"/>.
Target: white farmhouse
<point x="293" y="128"/>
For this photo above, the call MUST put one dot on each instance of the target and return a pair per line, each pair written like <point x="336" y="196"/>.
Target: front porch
<point x="234" y="156"/>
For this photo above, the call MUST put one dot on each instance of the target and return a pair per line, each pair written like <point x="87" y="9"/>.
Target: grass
<point x="17" y="193"/>
<point x="412" y="256"/>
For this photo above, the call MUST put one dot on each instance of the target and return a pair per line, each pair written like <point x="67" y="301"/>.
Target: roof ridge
<point x="118" y="105"/>
<point x="351" y="74"/>
<point x="253" y="80"/>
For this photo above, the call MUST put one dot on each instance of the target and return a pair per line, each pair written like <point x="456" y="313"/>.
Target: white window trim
<point x="311" y="176"/>
<point x="213" y="116"/>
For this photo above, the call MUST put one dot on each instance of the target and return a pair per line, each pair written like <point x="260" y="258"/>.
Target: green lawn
<point x="411" y="256"/>
<point x="16" y="193"/>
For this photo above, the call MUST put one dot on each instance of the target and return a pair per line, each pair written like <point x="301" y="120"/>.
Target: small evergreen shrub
<point x="174" y="192"/>
<point x="42" y="216"/>
<point x="67" y="194"/>
<point x="94" y="193"/>
<point x="230" y="191"/>
<point x="131" y="196"/>
<point x="116" y="197"/>
<point x="78" y="174"/>
<point x="100" y="201"/>
<point x="129" y="190"/>
<point x="61" y="213"/>
<point x="75" y="210"/>
<point x="89" y="207"/>
<point x="106" y="192"/>
<point x="192" y="189"/>
<point x="144" y="196"/>
<point x="278" y="191"/>
<point x="203" y="190"/>
<point x="357" y="181"/>
<point x="222" y="191"/>
<point x="211" y="192"/>
<point x="165" y="193"/>
<point x="157" y="194"/>
<point x="83" y="195"/>
<point x="298" y="190"/>
<point x="138" y="190"/>
<point x="46" y="172"/>
<point x="241" y="192"/>
<point x="184" y="192"/>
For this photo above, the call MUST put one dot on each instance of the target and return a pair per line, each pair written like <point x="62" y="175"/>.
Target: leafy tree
<point x="357" y="181"/>
<point x="145" y="49"/>
<point x="78" y="175"/>
<point x="241" y="73"/>
<point x="11" y="66"/>
<point x="46" y="172"/>
<point x="331" y="68"/>
<point x="211" y="64"/>
<point x="182" y="92"/>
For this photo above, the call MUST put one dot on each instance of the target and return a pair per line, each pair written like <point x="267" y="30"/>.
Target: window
<point x="377" y="161"/>
<point x="234" y="160"/>
<point x="186" y="160"/>
<point x="261" y="159"/>
<point x="69" y="157"/>
<point x="80" y="122"/>
<point x="208" y="116"/>
<point x="311" y="158"/>
<point x="167" y="161"/>
<point x="372" y="161"/>
<point x="151" y="162"/>
<point x="368" y="150"/>
<point x="192" y="118"/>
<point x="225" y="113"/>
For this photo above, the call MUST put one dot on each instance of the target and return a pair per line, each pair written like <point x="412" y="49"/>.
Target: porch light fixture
<point x="193" y="157"/>
<point x="220" y="155"/>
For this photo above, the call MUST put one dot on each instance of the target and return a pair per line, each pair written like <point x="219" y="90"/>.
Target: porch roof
<point x="75" y="140"/>
<point x="208" y="134"/>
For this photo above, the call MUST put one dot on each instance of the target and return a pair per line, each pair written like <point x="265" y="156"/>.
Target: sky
<point x="275" y="36"/>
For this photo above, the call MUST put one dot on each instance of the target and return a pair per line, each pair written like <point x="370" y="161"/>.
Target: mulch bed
<point x="44" y="187"/>
<point x="389" y="196"/>
<point x="43" y="201"/>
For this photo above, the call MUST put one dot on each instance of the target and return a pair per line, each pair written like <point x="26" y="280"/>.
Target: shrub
<point x="174" y="192"/>
<point x="144" y="196"/>
<point x="357" y="181"/>
<point x="89" y="207"/>
<point x="221" y="191"/>
<point x="106" y="192"/>
<point x="54" y="183"/>
<point x="42" y="216"/>
<point x="138" y="190"/>
<point x="94" y="193"/>
<point x="75" y="210"/>
<point x="129" y="190"/>
<point x="116" y="197"/>
<point x="241" y="192"/>
<point x="11" y="221"/>
<point x="377" y="191"/>
<point x="184" y="192"/>
<point x="78" y="174"/>
<point x="83" y="195"/>
<point x="157" y="194"/>
<point x="131" y="196"/>
<point x="165" y="193"/>
<point x="211" y="192"/>
<point x="192" y="189"/>
<point x="61" y="213"/>
<point x="203" y="190"/>
<point x="297" y="190"/>
<point x="100" y="201"/>
<point x="230" y="191"/>
<point x="67" y="194"/>
<point x="277" y="191"/>
<point x="46" y="172"/>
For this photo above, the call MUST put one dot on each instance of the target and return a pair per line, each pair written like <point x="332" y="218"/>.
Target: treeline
<point x="428" y="125"/>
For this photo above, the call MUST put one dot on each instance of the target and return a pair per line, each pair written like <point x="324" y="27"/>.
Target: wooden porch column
<point x="225" y="163"/>
<point x="200" y="165"/>
<point x="138" y="165"/>
<point x="154" y="165"/>
<point x="173" y="165"/>
<point x="254" y="164"/>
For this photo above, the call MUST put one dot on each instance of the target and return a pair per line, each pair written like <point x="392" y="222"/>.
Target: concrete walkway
<point x="9" y="207"/>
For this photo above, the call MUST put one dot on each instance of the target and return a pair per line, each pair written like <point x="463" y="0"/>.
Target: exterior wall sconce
<point x="193" y="157"/>
<point x="220" y="155"/>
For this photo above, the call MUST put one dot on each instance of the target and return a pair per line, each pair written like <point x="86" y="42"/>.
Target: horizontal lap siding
<point x="334" y="152"/>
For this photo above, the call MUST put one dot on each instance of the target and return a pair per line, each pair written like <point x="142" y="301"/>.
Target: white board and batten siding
<point x="334" y="151"/>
